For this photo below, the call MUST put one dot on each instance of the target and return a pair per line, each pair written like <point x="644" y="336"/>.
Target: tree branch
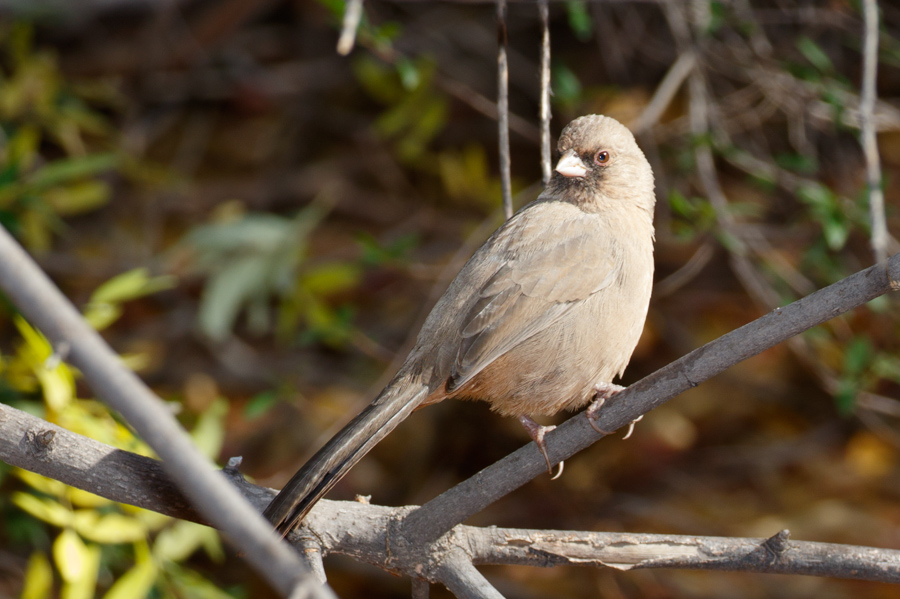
<point x="867" y="131"/>
<point x="370" y="533"/>
<point x="544" y="11"/>
<point x="44" y="305"/>
<point x="503" y="107"/>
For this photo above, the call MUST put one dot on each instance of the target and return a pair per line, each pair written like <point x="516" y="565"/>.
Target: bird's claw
<point x="537" y="432"/>
<point x="631" y="426"/>
<point x="602" y="392"/>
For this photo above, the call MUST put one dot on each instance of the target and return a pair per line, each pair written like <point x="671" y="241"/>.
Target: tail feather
<point x="345" y="449"/>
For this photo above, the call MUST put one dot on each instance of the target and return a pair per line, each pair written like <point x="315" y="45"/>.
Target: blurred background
<point x="260" y="225"/>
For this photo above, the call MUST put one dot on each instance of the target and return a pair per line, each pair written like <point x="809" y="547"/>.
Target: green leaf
<point x="799" y="163"/>
<point x="858" y="356"/>
<point x="579" y="20"/>
<point x="410" y="77"/>
<point x="566" y="86"/>
<point x="227" y="291"/>
<point x="815" y="55"/>
<point x="78" y="198"/>
<point x="260" y="404"/>
<point x="68" y="169"/>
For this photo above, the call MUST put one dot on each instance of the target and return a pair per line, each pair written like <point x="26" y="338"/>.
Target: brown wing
<point x="565" y="261"/>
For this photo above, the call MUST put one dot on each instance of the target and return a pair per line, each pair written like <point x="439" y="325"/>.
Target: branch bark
<point x="373" y="534"/>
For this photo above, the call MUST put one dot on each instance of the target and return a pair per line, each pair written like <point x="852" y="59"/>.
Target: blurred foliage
<point x="415" y="112"/>
<point x="324" y="281"/>
<point x="253" y="260"/>
<point x="47" y="167"/>
<point x="101" y="548"/>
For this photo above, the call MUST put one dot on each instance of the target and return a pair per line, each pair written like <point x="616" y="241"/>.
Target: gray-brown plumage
<point x="551" y="305"/>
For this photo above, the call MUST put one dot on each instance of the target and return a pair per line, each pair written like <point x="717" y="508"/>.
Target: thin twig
<point x="352" y="17"/>
<point x="867" y="131"/>
<point x="44" y="305"/>
<point x="503" y="107"/>
<point x="544" y="10"/>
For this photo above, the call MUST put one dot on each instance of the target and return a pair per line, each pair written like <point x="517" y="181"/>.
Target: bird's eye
<point x="601" y="158"/>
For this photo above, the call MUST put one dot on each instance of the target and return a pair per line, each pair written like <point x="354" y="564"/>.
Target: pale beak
<point x="570" y="165"/>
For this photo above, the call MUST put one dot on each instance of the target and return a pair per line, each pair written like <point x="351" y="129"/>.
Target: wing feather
<point x="568" y="260"/>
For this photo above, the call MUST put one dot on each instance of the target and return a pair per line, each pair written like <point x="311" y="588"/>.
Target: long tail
<point x="345" y="449"/>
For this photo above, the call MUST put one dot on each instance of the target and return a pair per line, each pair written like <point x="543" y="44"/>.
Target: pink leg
<point x="602" y="392"/>
<point x="537" y="432"/>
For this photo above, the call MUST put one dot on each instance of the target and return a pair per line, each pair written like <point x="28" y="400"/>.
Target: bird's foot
<point x="602" y="392"/>
<point x="537" y="432"/>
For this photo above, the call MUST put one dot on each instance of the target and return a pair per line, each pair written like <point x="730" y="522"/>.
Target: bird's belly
<point x="557" y="368"/>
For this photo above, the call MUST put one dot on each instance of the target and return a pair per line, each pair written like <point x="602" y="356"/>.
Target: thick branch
<point x="370" y="533"/>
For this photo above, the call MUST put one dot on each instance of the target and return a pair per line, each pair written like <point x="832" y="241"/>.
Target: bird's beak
<point x="570" y="165"/>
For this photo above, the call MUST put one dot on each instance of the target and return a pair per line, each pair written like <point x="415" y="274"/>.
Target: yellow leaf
<point x="71" y="555"/>
<point x="134" y="584"/>
<point x="179" y="541"/>
<point x="102" y="314"/>
<point x="85" y="498"/>
<point x="150" y="520"/>
<point x="55" y="377"/>
<point x="38" y="578"/>
<point x="47" y="510"/>
<point x="131" y="285"/>
<point x="209" y="432"/>
<point x="78" y="198"/>
<point x="108" y="528"/>
<point x="41" y="483"/>
<point x="84" y="587"/>
<point x="138" y="581"/>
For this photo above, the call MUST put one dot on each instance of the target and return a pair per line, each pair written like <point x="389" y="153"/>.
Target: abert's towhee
<point x="540" y="319"/>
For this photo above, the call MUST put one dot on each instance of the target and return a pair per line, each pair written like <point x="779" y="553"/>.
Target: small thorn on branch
<point x="777" y="544"/>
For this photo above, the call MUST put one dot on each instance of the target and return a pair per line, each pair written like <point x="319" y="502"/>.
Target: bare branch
<point x="42" y="303"/>
<point x="371" y="533"/>
<point x="503" y="107"/>
<point x="466" y="582"/>
<point x="544" y="10"/>
<point x="352" y="16"/>
<point x="867" y="131"/>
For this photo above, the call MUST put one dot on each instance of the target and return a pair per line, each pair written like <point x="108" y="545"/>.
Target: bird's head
<point x="601" y="166"/>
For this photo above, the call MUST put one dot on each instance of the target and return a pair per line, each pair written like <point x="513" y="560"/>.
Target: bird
<point x="540" y="319"/>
